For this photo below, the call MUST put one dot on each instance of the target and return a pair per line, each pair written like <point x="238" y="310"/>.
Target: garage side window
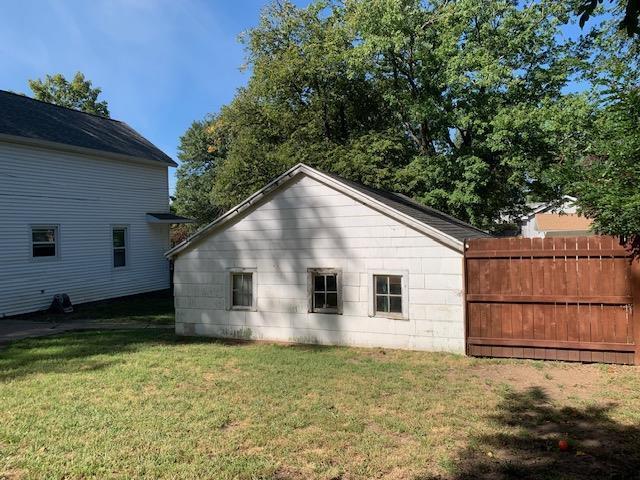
<point x="388" y="294"/>
<point x="242" y="290"/>
<point x="325" y="291"/>
<point x="44" y="241"/>
<point x="119" y="235"/>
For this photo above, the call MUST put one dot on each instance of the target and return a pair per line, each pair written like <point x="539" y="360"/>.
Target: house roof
<point x="169" y="218"/>
<point x="556" y="222"/>
<point x="40" y="123"/>
<point x="444" y="228"/>
<point x="435" y="218"/>
<point x="537" y="207"/>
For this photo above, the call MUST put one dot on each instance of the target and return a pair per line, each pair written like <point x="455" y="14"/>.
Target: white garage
<point x="314" y="258"/>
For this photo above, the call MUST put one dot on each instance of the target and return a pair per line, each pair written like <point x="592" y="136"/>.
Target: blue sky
<point x="160" y="63"/>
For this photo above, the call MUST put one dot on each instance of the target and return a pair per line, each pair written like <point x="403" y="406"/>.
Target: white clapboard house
<point x="84" y="207"/>
<point x="314" y="258"/>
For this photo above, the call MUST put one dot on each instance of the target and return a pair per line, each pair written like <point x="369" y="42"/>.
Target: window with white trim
<point x="242" y="290"/>
<point x="388" y="294"/>
<point x="119" y="235"/>
<point x="44" y="241"/>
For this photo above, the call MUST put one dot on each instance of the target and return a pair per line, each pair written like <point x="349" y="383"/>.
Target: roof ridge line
<point x="27" y="97"/>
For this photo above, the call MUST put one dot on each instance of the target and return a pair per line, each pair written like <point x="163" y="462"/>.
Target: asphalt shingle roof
<point x="22" y="116"/>
<point x="430" y="216"/>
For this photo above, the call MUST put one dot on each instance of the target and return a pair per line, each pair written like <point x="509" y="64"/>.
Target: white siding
<point x="85" y="196"/>
<point x="310" y="225"/>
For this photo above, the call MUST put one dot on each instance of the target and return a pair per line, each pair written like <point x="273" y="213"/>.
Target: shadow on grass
<point x="599" y="447"/>
<point x="152" y="307"/>
<point x="82" y="351"/>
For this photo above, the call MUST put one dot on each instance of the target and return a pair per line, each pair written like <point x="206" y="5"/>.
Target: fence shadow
<point x="600" y="448"/>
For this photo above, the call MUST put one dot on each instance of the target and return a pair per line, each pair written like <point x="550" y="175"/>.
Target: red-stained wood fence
<point x="567" y="299"/>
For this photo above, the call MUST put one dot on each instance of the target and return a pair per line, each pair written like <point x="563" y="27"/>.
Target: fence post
<point x="635" y="319"/>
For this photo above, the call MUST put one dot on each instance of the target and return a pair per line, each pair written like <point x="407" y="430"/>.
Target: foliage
<point x="629" y="22"/>
<point x="200" y="152"/>
<point x="77" y="93"/>
<point x="605" y="173"/>
<point x="460" y="105"/>
<point x="609" y="189"/>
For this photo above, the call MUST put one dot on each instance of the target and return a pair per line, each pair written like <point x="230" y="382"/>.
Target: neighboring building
<point x="84" y="207"/>
<point x="553" y="220"/>
<point x="314" y="258"/>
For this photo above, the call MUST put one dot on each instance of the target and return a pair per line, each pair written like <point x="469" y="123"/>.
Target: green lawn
<point x="154" y="307"/>
<point x="147" y="404"/>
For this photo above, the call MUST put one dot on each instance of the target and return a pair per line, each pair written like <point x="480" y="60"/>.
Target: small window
<point x="44" y="242"/>
<point x="325" y="294"/>
<point x="388" y="296"/>
<point x="119" y="247"/>
<point x="242" y="290"/>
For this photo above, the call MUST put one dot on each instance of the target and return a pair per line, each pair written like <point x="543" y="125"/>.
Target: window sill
<point x="391" y="316"/>
<point x="242" y="309"/>
<point x="326" y="312"/>
<point x="45" y="259"/>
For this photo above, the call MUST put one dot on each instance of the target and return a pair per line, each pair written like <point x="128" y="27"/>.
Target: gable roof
<point x="444" y="228"/>
<point x="26" y="120"/>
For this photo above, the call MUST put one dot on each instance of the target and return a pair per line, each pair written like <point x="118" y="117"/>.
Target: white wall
<point x="310" y="225"/>
<point x="85" y="196"/>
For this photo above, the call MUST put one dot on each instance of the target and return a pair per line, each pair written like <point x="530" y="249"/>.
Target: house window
<point x="242" y="290"/>
<point x="325" y="295"/>
<point x="119" y="235"/>
<point x="44" y="242"/>
<point x="388" y="294"/>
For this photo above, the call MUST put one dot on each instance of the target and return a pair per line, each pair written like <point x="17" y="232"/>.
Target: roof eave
<point x="63" y="147"/>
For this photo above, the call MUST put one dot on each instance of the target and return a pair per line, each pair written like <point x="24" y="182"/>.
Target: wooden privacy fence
<point x="553" y="298"/>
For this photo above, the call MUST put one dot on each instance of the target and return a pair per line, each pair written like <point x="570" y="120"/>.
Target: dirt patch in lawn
<point x="559" y="381"/>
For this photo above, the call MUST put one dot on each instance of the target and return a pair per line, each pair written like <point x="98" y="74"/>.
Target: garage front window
<point x="388" y="294"/>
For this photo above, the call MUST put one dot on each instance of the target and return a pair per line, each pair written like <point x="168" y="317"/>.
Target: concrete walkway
<point x="12" y="330"/>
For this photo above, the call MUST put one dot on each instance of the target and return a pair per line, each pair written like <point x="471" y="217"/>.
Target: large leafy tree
<point x="458" y="104"/>
<point x="473" y="84"/>
<point x="609" y="188"/>
<point x="77" y="93"/>
<point x="605" y="176"/>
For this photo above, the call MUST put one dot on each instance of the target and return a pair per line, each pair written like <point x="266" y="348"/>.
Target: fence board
<point x="568" y="298"/>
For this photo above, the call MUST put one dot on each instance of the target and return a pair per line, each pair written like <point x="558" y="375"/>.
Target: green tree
<point x="452" y="103"/>
<point x="77" y="93"/>
<point x="609" y="187"/>
<point x="201" y="149"/>
<point x="606" y="175"/>
<point x="629" y="21"/>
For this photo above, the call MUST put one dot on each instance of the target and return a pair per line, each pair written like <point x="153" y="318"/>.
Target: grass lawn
<point x="154" y="307"/>
<point x="147" y="404"/>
